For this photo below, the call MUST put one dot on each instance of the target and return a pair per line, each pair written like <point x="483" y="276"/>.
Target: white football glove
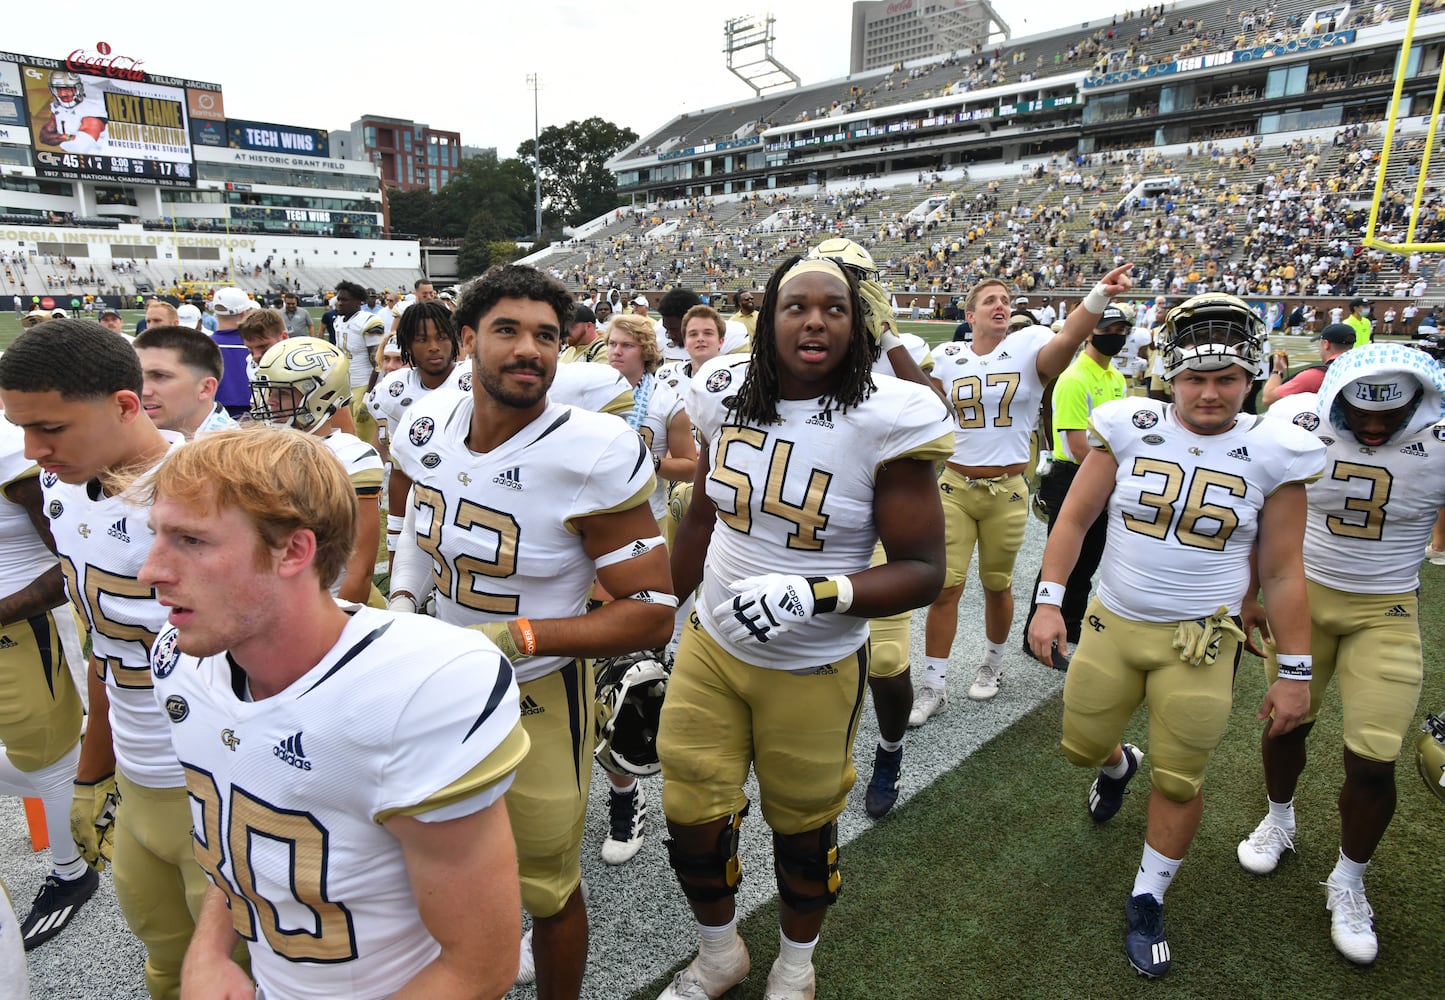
<point x="767" y="606"/>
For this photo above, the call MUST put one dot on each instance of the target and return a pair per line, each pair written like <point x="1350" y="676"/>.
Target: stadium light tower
<point x="745" y="34"/>
<point x="534" y="83"/>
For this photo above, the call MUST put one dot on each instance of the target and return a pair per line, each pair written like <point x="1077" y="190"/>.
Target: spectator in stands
<point x="1359" y="320"/>
<point x="230" y="306"/>
<point x="298" y="320"/>
<point x="1335" y="339"/>
<point x="745" y="314"/>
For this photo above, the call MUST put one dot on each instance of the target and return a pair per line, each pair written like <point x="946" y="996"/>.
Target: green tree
<point x="488" y="201"/>
<point x="576" y="184"/>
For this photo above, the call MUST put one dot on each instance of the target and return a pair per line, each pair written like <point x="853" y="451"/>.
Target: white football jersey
<point x="498" y="527"/>
<point x="23" y="556"/>
<point x="360" y="344"/>
<point x="797" y="496"/>
<point x="68" y="120"/>
<point x="395" y="392"/>
<point x="676" y="375"/>
<point x="663" y="405"/>
<point x="363" y="467"/>
<point x="1184" y="512"/>
<point x="103" y="542"/>
<point x="1371" y="513"/>
<point x="994" y="397"/>
<point x="404" y="715"/>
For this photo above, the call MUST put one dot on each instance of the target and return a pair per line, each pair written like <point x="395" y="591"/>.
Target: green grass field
<point x="995" y="883"/>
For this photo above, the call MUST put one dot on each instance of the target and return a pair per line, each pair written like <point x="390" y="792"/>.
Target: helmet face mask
<point x="630" y="691"/>
<point x="1212" y="332"/>
<point x="300" y="382"/>
<point x="1430" y="755"/>
<point x="60" y="80"/>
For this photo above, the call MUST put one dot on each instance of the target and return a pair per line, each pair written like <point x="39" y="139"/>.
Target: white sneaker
<point x="527" y="966"/>
<point x="628" y="816"/>
<point x="985" y="685"/>
<point x="928" y="701"/>
<point x="1434" y="556"/>
<point x="1351" y="923"/>
<point x="1261" y="850"/>
<point x="784" y="984"/>
<point x="703" y="982"/>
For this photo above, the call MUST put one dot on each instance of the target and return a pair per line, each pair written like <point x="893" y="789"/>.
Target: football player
<point x="1378" y="412"/>
<point x="359" y="332"/>
<point x="807" y="461"/>
<point x="1191" y="487"/>
<point x="182" y="368"/>
<point x="303" y="383"/>
<point x="40" y="706"/>
<point x="659" y="418"/>
<point x="518" y="502"/>
<point x="994" y="386"/>
<point x="375" y="748"/>
<point x="78" y="119"/>
<point x="85" y="425"/>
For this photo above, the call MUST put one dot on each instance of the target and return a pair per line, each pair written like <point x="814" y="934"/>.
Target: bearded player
<point x="1190" y="488"/>
<point x="1378" y="411"/>
<point x="518" y="502"/>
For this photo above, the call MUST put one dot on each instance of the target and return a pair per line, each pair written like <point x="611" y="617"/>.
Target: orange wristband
<point x="529" y="638"/>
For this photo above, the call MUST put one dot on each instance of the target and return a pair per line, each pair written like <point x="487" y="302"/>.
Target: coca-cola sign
<point x="102" y="63"/>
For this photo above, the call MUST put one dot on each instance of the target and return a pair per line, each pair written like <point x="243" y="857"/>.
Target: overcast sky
<point x="634" y="62"/>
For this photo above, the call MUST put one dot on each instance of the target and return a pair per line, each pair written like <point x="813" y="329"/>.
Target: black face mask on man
<point x="1109" y="344"/>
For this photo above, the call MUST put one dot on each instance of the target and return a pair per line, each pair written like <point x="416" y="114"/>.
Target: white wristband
<point x="1049" y="593"/>
<point x="1295" y="666"/>
<point x="402" y="604"/>
<point x="845" y="594"/>
<point x="1097" y="300"/>
<point x="394" y="523"/>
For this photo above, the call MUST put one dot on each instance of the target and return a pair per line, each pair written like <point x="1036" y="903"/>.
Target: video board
<point x="100" y="116"/>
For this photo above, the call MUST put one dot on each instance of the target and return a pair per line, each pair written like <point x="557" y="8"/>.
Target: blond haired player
<point x="1378" y="411"/>
<point x="1192" y="488"/>
<point x="85" y="426"/>
<point x="994" y="386"/>
<point x="347" y="765"/>
<point x="518" y="502"/>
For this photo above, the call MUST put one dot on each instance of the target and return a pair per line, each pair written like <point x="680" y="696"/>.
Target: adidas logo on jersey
<point x="290" y="751"/>
<point x="510" y="478"/>
<point x="1241" y="453"/>
<point x="1417" y="449"/>
<point x="117" y="530"/>
<point x="1398" y="611"/>
<point x="823" y="419"/>
<point x="530" y="706"/>
<point x="1003" y="355"/>
<point x="7" y="643"/>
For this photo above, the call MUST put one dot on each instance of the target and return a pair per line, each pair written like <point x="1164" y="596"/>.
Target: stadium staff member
<point x="1335" y="339"/>
<point x="518" y="503"/>
<point x="1359" y="320"/>
<point x="1191" y="486"/>
<point x="401" y="875"/>
<point x="1369" y="517"/>
<point x="1086" y="384"/>
<point x="230" y="306"/>
<point x="298" y="320"/>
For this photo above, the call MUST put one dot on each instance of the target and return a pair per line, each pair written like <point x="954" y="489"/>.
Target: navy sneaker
<point x="57" y="902"/>
<point x="883" y="789"/>
<point x="1145" y="943"/>
<point x="1106" y="794"/>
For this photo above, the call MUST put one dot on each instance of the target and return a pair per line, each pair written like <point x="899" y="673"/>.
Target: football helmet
<point x="1210" y="332"/>
<point x="630" y="690"/>
<point x="299" y="383"/>
<point x="1430" y="754"/>
<point x="846" y="253"/>
<point x="60" y="78"/>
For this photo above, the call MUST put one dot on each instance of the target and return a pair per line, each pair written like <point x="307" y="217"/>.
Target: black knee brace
<point x="720" y="863"/>
<point x="812" y="856"/>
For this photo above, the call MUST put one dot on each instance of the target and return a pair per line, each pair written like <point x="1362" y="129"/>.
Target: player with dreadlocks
<point x="807" y="460"/>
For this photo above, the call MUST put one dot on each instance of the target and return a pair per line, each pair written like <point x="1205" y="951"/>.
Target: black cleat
<point x="57" y="902"/>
